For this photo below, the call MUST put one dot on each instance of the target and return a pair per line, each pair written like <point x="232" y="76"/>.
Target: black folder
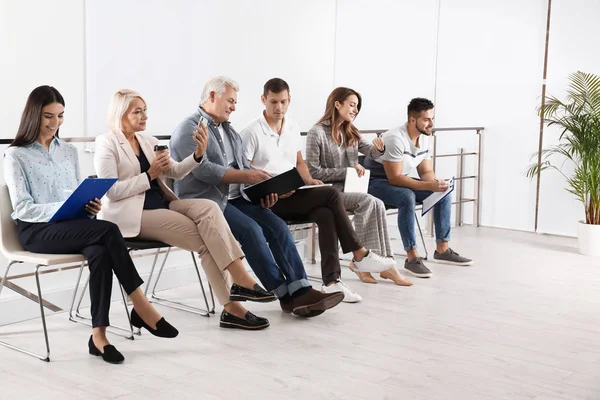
<point x="280" y="184"/>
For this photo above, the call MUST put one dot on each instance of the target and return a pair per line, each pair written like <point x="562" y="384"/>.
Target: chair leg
<point x="124" y="295"/>
<point x="6" y="275"/>
<point x="79" y="318"/>
<point x="153" y="267"/>
<point x="178" y="305"/>
<point x="42" y="315"/>
<point x="202" y="285"/>
<point x="313" y="244"/>
<point x="71" y="309"/>
<point x="422" y="239"/>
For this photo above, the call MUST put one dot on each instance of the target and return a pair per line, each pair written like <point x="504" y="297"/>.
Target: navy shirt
<point x="154" y="199"/>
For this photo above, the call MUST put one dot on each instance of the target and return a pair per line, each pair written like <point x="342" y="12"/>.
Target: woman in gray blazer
<point x="329" y="152"/>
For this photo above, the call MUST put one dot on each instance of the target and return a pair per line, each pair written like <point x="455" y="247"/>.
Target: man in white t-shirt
<point x="404" y="176"/>
<point x="272" y="143"/>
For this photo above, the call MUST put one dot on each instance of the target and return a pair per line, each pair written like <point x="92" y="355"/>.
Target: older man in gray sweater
<point x="264" y="237"/>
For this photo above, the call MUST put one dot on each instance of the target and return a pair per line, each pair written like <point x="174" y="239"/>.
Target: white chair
<point x="14" y="253"/>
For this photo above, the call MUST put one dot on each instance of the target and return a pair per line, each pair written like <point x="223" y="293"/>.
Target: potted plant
<point x="578" y="117"/>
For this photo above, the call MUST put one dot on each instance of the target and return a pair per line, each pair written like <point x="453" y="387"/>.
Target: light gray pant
<point x="369" y="221"/>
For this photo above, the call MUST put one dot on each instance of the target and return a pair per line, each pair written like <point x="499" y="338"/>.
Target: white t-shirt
<point x="267" y="150"/>
<point x="234" y="188"/>
<point x="398" y="147"/>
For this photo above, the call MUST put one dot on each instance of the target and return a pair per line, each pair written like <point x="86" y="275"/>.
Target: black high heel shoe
<point x="163" y="328"/>
<point x="110" y="355"/>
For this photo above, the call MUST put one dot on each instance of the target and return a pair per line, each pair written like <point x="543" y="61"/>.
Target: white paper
<point x="435" y="197"/>
<point x="314" y="186"/>
<point x="354" y="184"/>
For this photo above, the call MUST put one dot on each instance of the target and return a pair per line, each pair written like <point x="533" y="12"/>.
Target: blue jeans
<point x="406" y="200"/>
<point x="269" y="247"/>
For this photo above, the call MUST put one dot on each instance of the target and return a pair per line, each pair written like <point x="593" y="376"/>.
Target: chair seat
<point x="140" y="244"/>
<point x="43" y="259"/>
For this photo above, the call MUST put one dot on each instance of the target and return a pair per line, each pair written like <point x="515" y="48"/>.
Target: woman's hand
<point x="160" y="164"/>
<point x="201" y="139"/>
<point x="93" y="207"/>
<point x="315" y="182"/>
<point x="360" y="170"/>
<point x="379" y="144"/>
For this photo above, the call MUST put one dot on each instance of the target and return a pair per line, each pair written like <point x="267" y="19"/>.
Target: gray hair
<point x="118" y="106"/>
<point x="219" y="86"/>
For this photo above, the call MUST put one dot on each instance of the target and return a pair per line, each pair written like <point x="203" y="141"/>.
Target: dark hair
<point x="417" y="105"/>
<point x="29" y="128"/>
<point x="350" y="132"/>
<point x="275" y="85"/>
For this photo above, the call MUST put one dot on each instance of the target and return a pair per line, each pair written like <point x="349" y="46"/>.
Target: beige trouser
<point x="197" y="225"/>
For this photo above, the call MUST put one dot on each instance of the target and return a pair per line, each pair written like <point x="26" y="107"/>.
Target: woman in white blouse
<point x="40" y="170"/>
<point x="143" y="206"/>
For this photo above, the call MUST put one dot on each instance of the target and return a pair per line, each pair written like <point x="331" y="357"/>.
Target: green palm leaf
<point x="578" y="118"/>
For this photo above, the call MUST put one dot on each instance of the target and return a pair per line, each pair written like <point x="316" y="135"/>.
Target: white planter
<point x="589" y="239"/>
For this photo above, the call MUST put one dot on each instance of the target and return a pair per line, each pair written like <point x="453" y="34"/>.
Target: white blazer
<point x="124" y="202"/>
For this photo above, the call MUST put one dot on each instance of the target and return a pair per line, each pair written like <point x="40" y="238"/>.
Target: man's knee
<point x="249" y="233"/>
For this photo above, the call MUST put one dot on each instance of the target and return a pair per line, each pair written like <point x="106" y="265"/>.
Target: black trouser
<point x="325" y="207"/>
<point x="100" y="242"/>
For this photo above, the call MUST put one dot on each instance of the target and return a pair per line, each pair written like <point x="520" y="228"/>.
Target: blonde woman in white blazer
<point x="144" y="207"/>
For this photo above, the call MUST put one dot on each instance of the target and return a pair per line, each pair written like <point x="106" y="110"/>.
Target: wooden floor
<point x="523" y="323"/>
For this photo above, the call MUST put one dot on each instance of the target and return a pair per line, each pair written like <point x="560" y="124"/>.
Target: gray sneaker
<point x="451" y="257"/>
<point x="417" y="268"/>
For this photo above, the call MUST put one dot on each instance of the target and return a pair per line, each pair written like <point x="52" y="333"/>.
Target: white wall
<point x="489" y="73"/>
<point x="378" y="54"/>
<point x="573" y="46"/>
<point x="167" y="50"/>
<point x="41" y="43"/>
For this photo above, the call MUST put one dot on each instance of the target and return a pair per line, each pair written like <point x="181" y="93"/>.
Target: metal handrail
<point x="460" y="166"/>
<point x="461" y="154"/>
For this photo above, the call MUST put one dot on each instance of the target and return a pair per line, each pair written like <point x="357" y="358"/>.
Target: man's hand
<point x="269" y="200"/>
<point x="256" y="175"/>
<point x="93" y="207"/>
<point x="379" y="144"/>
<point x="360" y="170"/>
<point x="437" y="186"/>
<point x="201" y="139"/>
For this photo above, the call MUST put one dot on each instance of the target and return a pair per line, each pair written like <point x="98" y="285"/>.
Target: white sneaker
<point x="339" y="286"/>
<point x="373" y="262"/>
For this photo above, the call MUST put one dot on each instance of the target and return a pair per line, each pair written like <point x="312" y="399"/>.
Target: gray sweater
<point x="204" y="182"/>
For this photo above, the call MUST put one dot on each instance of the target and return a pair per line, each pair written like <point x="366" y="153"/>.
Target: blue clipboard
<point x="88" y="190"/>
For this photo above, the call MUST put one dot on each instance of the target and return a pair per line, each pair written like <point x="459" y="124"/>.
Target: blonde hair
<point x="118" y="106"/>
<point x="219" y="86"/>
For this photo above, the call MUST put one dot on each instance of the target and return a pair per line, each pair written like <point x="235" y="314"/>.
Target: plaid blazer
<point x="322" y="155"/>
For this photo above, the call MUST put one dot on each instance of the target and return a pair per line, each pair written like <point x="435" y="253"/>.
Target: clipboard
<point x="280" y="184"/>
<point x="88" y="190"/>
<point x="436" y="197"/>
